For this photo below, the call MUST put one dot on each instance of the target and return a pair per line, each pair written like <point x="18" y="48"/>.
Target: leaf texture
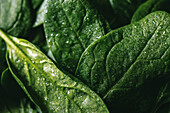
<point x="122" y="61"/>
<point x="45" y="84"/>
<point x="70" y="26"/>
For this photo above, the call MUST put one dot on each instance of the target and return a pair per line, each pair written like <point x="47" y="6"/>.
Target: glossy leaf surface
<point x="150" y="6"/>
<point x="123" y="61"/>
<point x="45" y="84"/>
<point x="70" y="26"/>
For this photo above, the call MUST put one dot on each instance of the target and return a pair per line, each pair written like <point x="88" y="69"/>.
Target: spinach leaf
<point x="45" y="84"/>
<point x="15" y="16"/>
<point x="2" y="55"/>
<point x="70" y="26"/>
<point x="118" y="65"/>
<point x="123" y="11"/>
<point x="150" y="6"/>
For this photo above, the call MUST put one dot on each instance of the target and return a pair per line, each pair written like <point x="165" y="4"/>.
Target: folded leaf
<point x="150" y="6"/>
<point x="70" y="26"/>
<point x="15" y="16"/>
<point x="51" y="89"/>
<point x="120" y="63"/>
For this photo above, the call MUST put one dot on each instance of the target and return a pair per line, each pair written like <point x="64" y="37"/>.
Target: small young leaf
<point x="70" y="26"/>
<point x="51" y="89"/>
<point x="118" y="64"/>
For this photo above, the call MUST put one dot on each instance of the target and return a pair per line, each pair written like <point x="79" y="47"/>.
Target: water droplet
<point x="43" y="79"/>
<point x="49" y="40"/>
<point x="17" y="61"/>
<point x="87" y="19"/>
<point x="57" y="35"/>
<point x="45" y="98"/>
<point x="33" y="61"/>
<point x="63" y="23"/>
<point x="52" y="34"/>
<point x="98" y="37"/>
<point x="67" y="42"/>
<point x="46" y="11"/>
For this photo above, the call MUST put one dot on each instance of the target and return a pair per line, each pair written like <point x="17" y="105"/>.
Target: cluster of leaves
<point x="85" y="56"/>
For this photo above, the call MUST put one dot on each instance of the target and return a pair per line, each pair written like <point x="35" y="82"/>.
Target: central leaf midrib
<point x="24" y="55"/>
<point x="108" y="92"/>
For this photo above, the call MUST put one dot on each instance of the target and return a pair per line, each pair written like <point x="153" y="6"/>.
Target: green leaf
<point x="119" y="64"/>
<point x="15" y="16"/>
<point x="150" y="6"/>
<point x="123" y="11"/>
<point x="51" y="89"/>
<point x="70" y="26"/>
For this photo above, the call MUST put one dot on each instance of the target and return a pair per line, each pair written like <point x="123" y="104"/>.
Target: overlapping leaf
<point x="119" y="64"/>
<point x="70" y="26"/>
<point x="45" y="84"/>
